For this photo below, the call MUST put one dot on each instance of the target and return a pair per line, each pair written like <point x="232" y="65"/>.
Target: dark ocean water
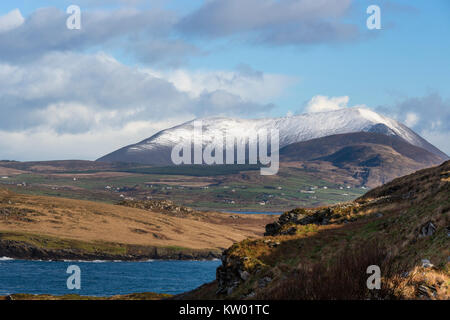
<point x="105" y="278"/>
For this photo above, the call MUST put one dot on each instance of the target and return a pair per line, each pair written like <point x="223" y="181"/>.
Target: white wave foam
<point x="5" y="259"/>
<point x="88" y="261"/>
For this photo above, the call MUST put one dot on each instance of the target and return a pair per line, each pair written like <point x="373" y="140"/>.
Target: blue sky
<point x="183" y="59"/>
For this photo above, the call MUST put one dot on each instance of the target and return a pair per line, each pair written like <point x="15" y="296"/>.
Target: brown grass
<point x="10" y="172"/>
<point x="424" y="284"/>
<point x="92" y="221"/>
<point x="344" y="279"/>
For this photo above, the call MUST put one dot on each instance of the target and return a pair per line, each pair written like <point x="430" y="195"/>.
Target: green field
<point x="235" y="189"/>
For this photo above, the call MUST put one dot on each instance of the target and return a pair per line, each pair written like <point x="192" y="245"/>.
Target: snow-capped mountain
<point x="292" y="129"/>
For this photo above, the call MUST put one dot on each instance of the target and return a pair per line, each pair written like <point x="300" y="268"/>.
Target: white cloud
<point x="144" y="34"/>
<point x="274" y="22"/>
<point x="42" y="144"/>
<point x="11" y="20"/>
<point x="68" y="105"/>
<point x="411" y="119"/>
<point x="430" y="112"/>
<point x="439" y="139"/>
<point x="245" y="82"/>
<point x="321" y="103"/>
<point x="428" y="115"/>
<point x="79" y="89"/>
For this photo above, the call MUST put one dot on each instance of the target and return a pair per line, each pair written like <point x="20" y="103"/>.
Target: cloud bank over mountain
<point x="74" y="96"/>
<point x="126" y="74"/>
<point x="429" y="115"/>
<point x="321" y="103"/>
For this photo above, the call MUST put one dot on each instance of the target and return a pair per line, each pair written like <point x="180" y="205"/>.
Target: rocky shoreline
<point x="25" y="251"/>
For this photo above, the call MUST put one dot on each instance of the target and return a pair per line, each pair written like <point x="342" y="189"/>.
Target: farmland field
<point x="239" y="188"/>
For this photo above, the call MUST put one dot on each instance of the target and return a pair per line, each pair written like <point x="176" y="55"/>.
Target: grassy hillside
<point x="323" y="253"/>
<point x="50" y="228"/>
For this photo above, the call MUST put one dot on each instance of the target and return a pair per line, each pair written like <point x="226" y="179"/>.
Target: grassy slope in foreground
<point x="38" y="227"/>
<point x="323" y="253"/>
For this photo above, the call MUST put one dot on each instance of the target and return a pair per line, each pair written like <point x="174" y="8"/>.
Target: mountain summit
<point x="156" y="150"/>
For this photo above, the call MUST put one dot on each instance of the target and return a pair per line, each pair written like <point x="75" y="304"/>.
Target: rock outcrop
<point x="160" y="206"/>
<point x="234" y="271"/>
<point x="428" y="229"/>
<point x="338" y="214"/>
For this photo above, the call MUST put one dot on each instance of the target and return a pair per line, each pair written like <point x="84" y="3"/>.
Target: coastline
<point x="25" y="251"/>
<point x="76" y="297"/>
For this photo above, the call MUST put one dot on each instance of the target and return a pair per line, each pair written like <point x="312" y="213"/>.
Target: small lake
<point x="105" y="278"/>
<point x="254" y="212"/>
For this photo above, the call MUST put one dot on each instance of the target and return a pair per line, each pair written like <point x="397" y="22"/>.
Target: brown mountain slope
<point x="371" y="158"/>
<point x="321" y="147"/>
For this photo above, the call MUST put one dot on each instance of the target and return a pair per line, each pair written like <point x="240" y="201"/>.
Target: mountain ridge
<point x="156" y="149"/>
